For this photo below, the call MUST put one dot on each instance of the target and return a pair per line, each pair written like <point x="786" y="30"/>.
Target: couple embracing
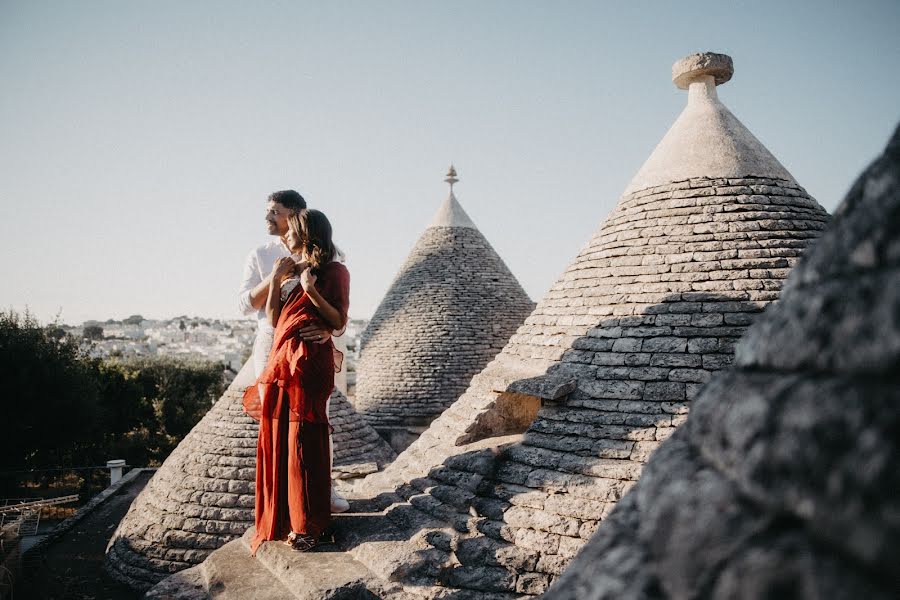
<point x="299" y="289"/>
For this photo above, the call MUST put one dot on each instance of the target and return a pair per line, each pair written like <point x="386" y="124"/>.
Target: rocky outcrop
<point x="783" y="482"/>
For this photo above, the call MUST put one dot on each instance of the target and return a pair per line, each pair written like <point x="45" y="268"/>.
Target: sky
<point x="139" y="140"/>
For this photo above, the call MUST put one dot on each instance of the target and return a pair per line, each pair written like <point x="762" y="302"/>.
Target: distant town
<point x="227" y="341"/>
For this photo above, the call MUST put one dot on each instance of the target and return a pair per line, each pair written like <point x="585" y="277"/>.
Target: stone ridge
<point x="783" y="482"/>
<point x="450" y="309"/>
<point x="650" y="308"/>
<point x="203" y="494"/>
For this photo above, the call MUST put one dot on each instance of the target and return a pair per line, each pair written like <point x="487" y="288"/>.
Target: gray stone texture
<point x="203" y="494"/>
<point x="486" y="504"/>
<point x="617" y="350"/>
<point x="783" y="482"/>
<point x="652" y="306"/>
<point x="448" y="312"/>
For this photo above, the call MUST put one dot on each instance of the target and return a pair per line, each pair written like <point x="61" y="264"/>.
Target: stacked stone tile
<point x="203" y="494"/>
<point x="783" y="482"/>
<point x="450" y="309"/>
<point x="506" y="486"/>
<point x="606" y="366"/>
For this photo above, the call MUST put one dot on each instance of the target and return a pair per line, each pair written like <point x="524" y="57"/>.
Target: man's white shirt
<point x="257" y="267"/>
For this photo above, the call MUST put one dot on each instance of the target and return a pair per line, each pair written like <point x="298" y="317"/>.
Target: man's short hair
<point x="289" y="199"/>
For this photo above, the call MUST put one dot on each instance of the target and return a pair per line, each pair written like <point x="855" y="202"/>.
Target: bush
<point x="65" y="409"/>
<point x="50" y="398"/>
<point x="166" y="397"/>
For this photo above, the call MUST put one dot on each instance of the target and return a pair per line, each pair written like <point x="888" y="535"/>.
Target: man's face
<point x="276" y="218"/>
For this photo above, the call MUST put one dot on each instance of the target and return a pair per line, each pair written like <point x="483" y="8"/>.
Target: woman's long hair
<point x="313" y="230"/>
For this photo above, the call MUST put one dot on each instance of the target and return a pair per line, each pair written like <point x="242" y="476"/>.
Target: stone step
<point x="276" y="573"/>
<point x="325" y="573"/>
<point x="391" y="543"/>
<point x="231" y="574"/>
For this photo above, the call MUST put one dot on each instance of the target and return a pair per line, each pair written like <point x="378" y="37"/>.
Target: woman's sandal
<point x="301" y="542"/>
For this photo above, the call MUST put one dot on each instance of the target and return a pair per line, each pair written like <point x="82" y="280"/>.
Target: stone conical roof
<point x="504" y="488"/>
<point x="783" y="482"/>
<point x="449" y="310"/>
<point x="203" y="494"/>
<point x="603" y="371"/>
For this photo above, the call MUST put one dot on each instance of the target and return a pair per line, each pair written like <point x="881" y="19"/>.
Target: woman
<point x="293" y="475"/>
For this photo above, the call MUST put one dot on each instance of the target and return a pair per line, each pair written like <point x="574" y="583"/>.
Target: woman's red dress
<point x="293" y="470"/>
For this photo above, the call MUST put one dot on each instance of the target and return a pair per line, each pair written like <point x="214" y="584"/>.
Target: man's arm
<point x="259" y="293"/>
<point x="254" y="288"/>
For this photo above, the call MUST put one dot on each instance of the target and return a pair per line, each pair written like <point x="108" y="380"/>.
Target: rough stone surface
<point x="783" y="482"/>
<point x="706" y="140"/>
<point x="690" y="68"/>
<point x="273" y="574"/>
<point x="489" y="504"/>
<point x="203" y="494"/>
<point x="450" y="309"/>
<point x="652" y="306"/>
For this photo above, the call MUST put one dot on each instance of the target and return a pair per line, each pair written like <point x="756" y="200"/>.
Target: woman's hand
<point x="284" y="267"/>
<point x="307" y="279"/>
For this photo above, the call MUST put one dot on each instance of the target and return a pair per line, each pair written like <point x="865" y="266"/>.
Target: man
<point x="255" y="288"/>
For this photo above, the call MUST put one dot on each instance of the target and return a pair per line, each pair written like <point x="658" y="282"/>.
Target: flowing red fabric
<point x="293" y="477"/>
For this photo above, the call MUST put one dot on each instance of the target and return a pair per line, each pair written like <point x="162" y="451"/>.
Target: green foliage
<point x="50" y="398"/>
<point x="63" y="408"/>
<point x="92" y="332"/>
<point x="167" y="393"/>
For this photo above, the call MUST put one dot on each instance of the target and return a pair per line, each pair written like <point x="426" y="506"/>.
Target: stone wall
<point x="783" y="482"/>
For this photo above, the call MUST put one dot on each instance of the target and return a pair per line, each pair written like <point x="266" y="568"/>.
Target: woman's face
<point x="293" y="241"/>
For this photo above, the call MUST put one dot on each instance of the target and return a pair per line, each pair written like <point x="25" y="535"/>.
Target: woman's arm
<point x="329" y="313"/>
<point x="284" y="266"/>
<point x="273" y="303"/>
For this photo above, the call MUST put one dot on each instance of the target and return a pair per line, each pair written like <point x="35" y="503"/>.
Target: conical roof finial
<point x="451" y="214"/>
<point x="706" y="140"/>
<point x="451" y="177"/>
<point x="697" y="66"/>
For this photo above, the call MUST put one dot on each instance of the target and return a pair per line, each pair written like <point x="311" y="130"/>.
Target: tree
<point x="92" y="332"/>
<point x="50" y="395"/>
<point x="133" y="320"/>
<point x="174" y="396"/>
<point x="62" y="408"/>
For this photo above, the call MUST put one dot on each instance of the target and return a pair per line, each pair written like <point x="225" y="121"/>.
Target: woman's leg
<point x="272" y="522"/>
<point x="309" y="478"/>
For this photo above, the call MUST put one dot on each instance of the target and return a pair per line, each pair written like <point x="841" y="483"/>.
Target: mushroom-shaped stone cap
<point x="691" y="68"/>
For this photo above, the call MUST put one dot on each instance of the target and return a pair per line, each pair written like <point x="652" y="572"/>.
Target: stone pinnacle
<point x="451" y="177"/>
<point x="696" y="66"/>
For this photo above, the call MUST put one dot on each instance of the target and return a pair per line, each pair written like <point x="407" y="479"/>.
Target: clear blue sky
<point x="138" y="140"/>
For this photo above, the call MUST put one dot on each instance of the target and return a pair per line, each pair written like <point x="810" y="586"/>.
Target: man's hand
<point x="314" y="333"/>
